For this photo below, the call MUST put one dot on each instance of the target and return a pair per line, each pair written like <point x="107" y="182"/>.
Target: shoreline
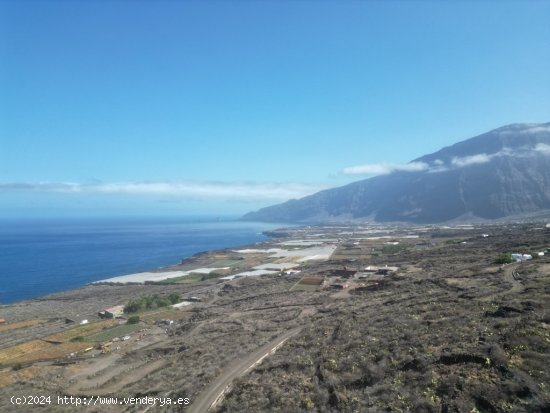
<point x="85" y="301"/>
<point x="273" y="248"/>
<point x="72" y="257"/>
<point x="109" y="283"/>
<point x="271" y="235"/>
<point x="250" y="260"/>
<point x="396" y="284"/>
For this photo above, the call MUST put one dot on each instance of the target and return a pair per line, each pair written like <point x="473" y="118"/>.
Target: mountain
<point x="502" y="173"/>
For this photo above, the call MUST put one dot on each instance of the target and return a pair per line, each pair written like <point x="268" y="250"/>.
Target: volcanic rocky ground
<point x="449" y="331"/>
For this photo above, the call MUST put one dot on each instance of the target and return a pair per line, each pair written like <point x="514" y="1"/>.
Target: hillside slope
<point x="502" y="173"/>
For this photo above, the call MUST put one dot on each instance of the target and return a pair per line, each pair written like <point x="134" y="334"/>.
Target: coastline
<point x="73" y="303"/>
<point x="249" y="260"/>
<point x="365" y="282"/>
<point x="51" y="256"/>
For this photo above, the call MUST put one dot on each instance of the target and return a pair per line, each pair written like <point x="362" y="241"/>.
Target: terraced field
<point x="21" y="324"/>
<point x="110" y="333"/>
<point x="38" y="350"/>
<point x="81" y="331"/>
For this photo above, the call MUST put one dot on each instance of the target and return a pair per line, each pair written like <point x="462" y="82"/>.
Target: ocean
<point x="39" y="257"/>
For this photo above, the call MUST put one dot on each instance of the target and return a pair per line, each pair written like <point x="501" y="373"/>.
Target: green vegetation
<point x="134" y="319"/>
<point x="150" y="302"/>
<point x="534" y="253"/>
<point x="392" y="249"/>
<point x="77" y="339"/>
<point x="504" y="258"/>
<point x="187" y="279"/>
<point x="166" y="313"/>
<point x="184" y="279"/>
<point x="109" y="334"/>
<point x="227" y="263"/>
<point x="304" y="287"/>
<point x="210" y="276"/>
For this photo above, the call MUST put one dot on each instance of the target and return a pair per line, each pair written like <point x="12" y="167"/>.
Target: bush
<point x="78" y="339"/>
<point x="150" y="302"/>
<point x="134" y="306"/>
<point x="134" y="319"/>
<point x="504" y="258"/>
<point x="174" y="298"/>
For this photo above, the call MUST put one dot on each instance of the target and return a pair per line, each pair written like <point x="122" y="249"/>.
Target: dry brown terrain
<point x="446" y="331"/>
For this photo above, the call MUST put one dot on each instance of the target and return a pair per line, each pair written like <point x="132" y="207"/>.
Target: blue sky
<point x="166" y="107"/>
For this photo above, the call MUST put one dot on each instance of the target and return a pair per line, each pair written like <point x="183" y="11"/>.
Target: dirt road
<point x="213" y="394"/>
<point x="512" y="275"/>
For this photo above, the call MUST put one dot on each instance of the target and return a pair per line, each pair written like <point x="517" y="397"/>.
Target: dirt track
<point x="512" y="276"/>
<point x="215" y="391"/>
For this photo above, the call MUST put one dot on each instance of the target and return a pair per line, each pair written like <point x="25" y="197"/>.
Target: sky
<point x="222" y="107"/>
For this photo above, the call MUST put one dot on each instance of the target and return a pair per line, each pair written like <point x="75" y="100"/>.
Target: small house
<point x="292" y="272"/>
<point x="380" y="270"/>
<point x="114" y="312"/>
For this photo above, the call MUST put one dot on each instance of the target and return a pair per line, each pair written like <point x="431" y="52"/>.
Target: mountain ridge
<point x="502" y="173"/>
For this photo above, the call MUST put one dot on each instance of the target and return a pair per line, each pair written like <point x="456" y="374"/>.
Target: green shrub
<point x="78" y="339"/>
<point x="534" y="254"/>
<point x="504" y="258"/>
<point x="392" y="249"/>
<point x="133" y="306"/>
<point x="150" y="302"/>
<point x="134" y="319"/>
<point x="174" y="298"/>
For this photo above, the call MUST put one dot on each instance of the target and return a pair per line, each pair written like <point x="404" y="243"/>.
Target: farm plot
<point x="227" y="262"/>
<point x="10" y="353"/>
<point x="80" y="331"/>
<point x="37" y="350"/>
<point x="166" y="314"/>
<point x="308" y="283"/>
<point x="22" y="324"/>
<point x="109" y="334"/>
<point x="6" y="378"/>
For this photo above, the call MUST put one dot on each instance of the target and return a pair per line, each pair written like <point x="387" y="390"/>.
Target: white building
<point x="521" y="257"/>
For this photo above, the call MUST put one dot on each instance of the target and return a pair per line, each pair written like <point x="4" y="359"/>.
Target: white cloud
<point x="542" y="148"/>
<point x="525" y="129"/>
<point x="539" y="129"/>
<point x="471" y="160"/>
<point x="439" y="165"/>
<point x="276" y="191"/>
<point x="385" y="168"/>
<point x="437" y="168"/>
<point x="519" y="152"/>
